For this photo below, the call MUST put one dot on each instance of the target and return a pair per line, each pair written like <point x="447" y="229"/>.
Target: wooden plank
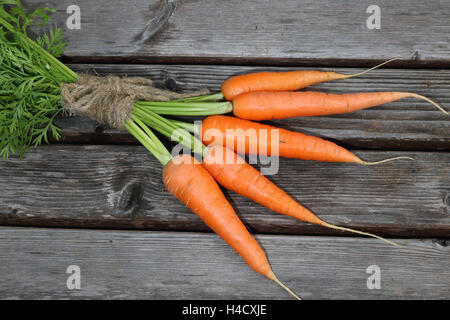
<point x="101" y="186"/>
<point x="258" y="31"/>
<point x="168" y="265"/>
<point x="403" y="125"/>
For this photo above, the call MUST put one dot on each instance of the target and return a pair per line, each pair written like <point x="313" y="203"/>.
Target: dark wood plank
<point x="163" y="265"/>
<point x="98" y="186"/>
<point x="403" y="125"/>
<point x="313" y="31"/>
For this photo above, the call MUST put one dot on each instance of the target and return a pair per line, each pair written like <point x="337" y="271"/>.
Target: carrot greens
<point x="186" y="108"/>
<point x="30" y="79"/>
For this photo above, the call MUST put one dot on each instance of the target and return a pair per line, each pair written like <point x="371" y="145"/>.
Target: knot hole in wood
<point x="170" y="84"/>
<point x="130" y="198"/>
<point x="446" y="201"/>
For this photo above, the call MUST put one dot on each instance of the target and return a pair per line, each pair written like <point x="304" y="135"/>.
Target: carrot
<point x="280" y="105"/>
<point x="235" y="174"/>
<point x="266" y="105"/>
<point x="256" y="138"/>
<point x="189" y="181"/>
<point x="281" y="81"/>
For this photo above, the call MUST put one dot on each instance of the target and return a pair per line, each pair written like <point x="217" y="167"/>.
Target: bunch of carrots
<point x="255" y="96"/>
<point x="31" y="77"/>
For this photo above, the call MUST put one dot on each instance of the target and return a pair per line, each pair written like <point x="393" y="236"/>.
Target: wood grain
<point x="258" y="31"/>
<point x="98" y="177"/>
<point x="168" y="265"/>
<point x="403" y="125"/>
<point x="97" y="186"/>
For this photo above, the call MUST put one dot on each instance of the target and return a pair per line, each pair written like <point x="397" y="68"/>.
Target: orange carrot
<point x="188" y="180"/>
<point x="280" y="105"/>
<point x="235" y="174"/>
<point x="256" y="138"/>
<point x="281" y="81"/>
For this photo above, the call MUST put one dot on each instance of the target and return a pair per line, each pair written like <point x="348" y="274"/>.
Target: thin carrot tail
<point x="332" y="226"/>
<point x="418" y="96"/>
<point x="371" y="163"/>
<point x="368" y="70"/>
<point x="281" y="284"/>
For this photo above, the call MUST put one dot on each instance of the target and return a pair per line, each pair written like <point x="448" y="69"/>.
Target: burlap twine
<point x="110" y="99"/>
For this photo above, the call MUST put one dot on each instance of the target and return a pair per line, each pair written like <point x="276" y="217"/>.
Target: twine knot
<point x="110" y="100"/>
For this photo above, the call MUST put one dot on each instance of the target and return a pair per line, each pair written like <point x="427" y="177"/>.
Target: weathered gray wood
<point x="314" y="31"/>
<point x="120" y="187"/>
<point x="403" y="125"/>
<point x="163" y="265"/>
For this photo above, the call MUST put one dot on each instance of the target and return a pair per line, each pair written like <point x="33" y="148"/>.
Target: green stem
<point x="168" y="128"/>
<point x="192" y="128"/>
<point x="148" y="120"/>
<point x="186" y="108"/>
<point x="156" y="142"/>
<point x="149" y="141"/>
<point x="209" y="97"/>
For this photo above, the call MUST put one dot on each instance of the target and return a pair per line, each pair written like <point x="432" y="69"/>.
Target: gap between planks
<point x="112" y="186"/>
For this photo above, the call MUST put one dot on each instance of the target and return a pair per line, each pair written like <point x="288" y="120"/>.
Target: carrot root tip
<point x="332" y="226"/>
<point x="418" y="96"/>
<point x="370" y="69"/>
<point x="371" y="163"/>
<point x="281" y="284"/>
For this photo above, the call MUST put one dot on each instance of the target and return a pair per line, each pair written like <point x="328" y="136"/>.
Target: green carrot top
<point x="30" y="79"/>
